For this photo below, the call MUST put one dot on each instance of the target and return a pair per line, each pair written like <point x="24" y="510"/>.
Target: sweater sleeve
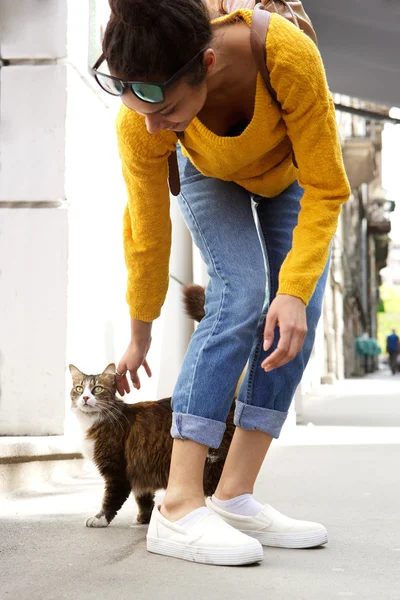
<point x="298" y="77"/>
<point x="147" y="223"/>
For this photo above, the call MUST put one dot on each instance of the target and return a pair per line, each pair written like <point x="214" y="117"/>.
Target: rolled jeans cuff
<point x="261" y="419"/>
<point x="198" y="429"/>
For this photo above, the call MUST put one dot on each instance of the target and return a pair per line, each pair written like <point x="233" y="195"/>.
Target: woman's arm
<point x="147" y="236"/>
<point x="298" y="77"/>
<point x="147" y="223"/>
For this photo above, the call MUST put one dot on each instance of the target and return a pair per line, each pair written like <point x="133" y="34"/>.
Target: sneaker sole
<point x="310" y="539"/>
<point x="210" y="556"/>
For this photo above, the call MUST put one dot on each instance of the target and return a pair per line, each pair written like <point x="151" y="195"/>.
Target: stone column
<point x="33" y="217"/>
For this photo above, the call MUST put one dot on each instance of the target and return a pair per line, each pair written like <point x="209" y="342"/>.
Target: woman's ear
<point x="209" y="61"/>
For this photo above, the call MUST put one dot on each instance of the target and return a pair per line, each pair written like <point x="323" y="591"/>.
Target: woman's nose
<point x="154" y="124"/>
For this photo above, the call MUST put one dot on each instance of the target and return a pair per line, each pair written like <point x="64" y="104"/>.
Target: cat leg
<point x="145" y="502"/>
<point x="98" y="521"/>
<point x="116" y="492"/>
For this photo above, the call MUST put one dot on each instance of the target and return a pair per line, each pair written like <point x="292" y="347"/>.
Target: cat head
<point x="93" y="395"/>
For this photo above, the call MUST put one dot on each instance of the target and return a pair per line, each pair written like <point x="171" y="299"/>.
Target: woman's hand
<point x="134" y="357"/>
<point x="289" y="313"/>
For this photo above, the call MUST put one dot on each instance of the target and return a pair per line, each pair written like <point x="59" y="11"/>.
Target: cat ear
<point x="110" y="369"/>
<point x="76" y="373"/>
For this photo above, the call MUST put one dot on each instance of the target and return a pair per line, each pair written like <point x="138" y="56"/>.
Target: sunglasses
<point x="153" y="93"/>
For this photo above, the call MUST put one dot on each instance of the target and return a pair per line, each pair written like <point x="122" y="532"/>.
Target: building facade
<point x="359" y="252"/>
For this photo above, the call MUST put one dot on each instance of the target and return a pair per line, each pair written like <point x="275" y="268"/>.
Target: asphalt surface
<point x="346" y="476"/>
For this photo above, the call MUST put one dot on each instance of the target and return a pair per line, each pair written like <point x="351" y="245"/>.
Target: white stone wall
<point x="33" y="217"/>
<point x="33" y="29"/>
<point x="33" y="286"/>
<point x="32" y="141"/>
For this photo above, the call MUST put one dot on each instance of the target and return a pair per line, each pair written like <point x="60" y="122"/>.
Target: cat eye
<point x="98" y="389"/>
<point x="79" y="389"/>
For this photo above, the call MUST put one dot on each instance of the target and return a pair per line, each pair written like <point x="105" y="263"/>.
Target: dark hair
<point x="147" y="38"/>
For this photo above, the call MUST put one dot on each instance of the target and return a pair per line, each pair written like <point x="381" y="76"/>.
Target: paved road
<point x="334" y="475"/>
<point x="370" y="401"/>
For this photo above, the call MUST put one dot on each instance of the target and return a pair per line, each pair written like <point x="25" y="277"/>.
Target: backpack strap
<point x="258" y="36"/>
<point x="173" y="174"/>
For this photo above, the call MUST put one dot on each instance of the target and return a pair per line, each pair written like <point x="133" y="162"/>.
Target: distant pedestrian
<point x="393" y="349"/>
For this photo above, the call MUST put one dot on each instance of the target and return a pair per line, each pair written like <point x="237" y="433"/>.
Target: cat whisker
<point x="116" y="410"/>
<point x="108" y="419"/>
<point x="120" y="413"/>
<point x="112" y="418"/>
<point x="109" y="416"/>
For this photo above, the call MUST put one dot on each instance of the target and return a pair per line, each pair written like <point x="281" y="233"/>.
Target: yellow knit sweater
<point x="259" y="160"/>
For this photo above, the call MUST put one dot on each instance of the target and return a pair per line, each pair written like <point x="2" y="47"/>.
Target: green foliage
<point x="390" y="319"/>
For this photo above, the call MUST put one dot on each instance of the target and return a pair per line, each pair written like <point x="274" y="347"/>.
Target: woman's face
<point x="182" y="102"/>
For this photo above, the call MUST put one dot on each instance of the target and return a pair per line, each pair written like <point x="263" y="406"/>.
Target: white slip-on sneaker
<point x="210" y="540"/>
<point x="272" y="528"/>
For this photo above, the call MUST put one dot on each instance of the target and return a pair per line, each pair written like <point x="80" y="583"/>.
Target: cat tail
<point x="194" y="299"/>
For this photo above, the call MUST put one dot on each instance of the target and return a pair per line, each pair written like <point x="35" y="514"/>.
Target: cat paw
<point x="143" y="518"/>
<point x="96" y="522"/>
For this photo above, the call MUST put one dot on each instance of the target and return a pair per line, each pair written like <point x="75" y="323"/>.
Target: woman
<point x="181" y="77"/>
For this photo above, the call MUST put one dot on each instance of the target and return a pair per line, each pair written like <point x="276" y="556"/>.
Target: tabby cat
<point x="130" y="444"/>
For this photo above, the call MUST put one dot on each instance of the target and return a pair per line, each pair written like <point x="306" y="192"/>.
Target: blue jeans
<point x="243" y="240"/>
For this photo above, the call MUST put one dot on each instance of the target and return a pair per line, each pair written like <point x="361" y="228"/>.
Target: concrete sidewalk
<point x="371" y="401"/>
<point x="319" y="472"/>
